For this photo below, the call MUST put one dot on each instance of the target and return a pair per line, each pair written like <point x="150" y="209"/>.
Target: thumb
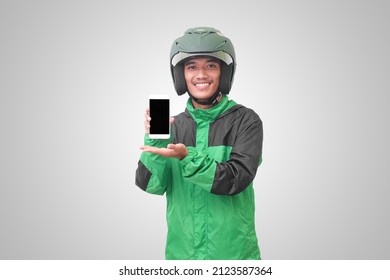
<point x="171" y="146"/>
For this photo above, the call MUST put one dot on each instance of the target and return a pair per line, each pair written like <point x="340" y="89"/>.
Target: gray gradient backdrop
<point x="75" y="76"/>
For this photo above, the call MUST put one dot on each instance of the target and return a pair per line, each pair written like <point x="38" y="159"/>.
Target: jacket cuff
<point x="191" y="153"/>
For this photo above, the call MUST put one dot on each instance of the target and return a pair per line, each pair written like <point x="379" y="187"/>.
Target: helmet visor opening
<point x="180" y="56"/>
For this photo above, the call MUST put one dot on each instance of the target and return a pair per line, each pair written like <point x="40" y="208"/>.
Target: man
<point x="207" y="167"/>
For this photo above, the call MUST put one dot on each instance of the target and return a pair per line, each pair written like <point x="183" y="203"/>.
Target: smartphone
<point x="159" y="114"/>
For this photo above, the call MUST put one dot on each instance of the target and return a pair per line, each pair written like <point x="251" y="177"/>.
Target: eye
<point x="212" y="65"/>
<point x="190" y="67"/>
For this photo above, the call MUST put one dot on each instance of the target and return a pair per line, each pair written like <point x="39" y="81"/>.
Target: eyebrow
<point x="191" y="61"/>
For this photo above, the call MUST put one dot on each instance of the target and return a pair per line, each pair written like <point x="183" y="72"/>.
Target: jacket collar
<point x="212" y="113"/>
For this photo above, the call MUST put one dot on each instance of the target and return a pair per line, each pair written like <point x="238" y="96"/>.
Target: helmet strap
<point x="213" y="100"/>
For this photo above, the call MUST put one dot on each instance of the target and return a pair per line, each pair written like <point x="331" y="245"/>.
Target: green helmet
<point x="203" y="41"/>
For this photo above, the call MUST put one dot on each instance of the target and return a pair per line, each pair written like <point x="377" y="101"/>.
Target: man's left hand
<point x="172" y="150"/>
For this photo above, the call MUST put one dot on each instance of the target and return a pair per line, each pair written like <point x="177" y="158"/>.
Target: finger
<point x="158" y="151"/>
<point x="171" y="120"/>
<point x="147" y="121"/>
<point x="147" y="114"/>
<point x="149" y="149"/>
<point x="147" y="127"/>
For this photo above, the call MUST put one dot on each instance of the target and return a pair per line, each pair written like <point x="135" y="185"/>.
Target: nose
<point x="202" y="73"/>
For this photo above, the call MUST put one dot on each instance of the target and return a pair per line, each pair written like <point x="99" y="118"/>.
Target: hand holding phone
<point x="159" y="116"/>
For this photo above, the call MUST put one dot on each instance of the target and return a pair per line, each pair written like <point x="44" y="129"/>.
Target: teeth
<point x="202" y="85"/>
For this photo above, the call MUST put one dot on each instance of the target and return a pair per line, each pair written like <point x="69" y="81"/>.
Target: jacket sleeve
<point x="152" y="174"/>
<point x="232" y="176"/>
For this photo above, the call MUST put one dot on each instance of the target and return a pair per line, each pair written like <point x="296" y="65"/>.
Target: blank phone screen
<point x="159" y="113"/>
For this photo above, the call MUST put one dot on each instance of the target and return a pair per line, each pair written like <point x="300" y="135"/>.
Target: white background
<point x="75" y="76"/>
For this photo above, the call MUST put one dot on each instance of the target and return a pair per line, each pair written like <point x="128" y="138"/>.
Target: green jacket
<point x="210" y="198"/>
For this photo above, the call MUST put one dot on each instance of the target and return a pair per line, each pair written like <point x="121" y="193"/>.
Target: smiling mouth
<point x="202" y="85"/>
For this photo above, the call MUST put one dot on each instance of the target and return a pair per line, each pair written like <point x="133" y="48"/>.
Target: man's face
<point x="202" y="76"/>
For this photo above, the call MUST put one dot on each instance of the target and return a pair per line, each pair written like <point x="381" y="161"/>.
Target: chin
<point x="202" y="95"/>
